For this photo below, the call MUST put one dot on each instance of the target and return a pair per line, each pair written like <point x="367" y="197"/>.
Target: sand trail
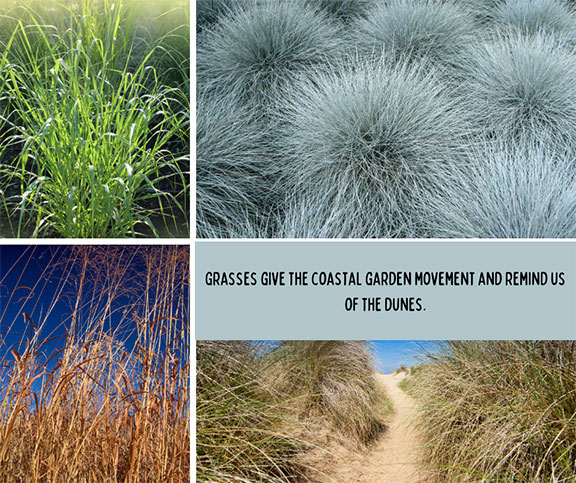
<point x="395" y="456"/>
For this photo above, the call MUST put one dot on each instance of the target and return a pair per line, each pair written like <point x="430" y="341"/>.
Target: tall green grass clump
<point x="507" y="189"/>
<point x="362" y="144"/>
<point x="522" y="85"/>
<point x="105" y="395"/>
<point x="500" y="410"/>
<point x="96" y="122"/>
<point x="253" y="52"/>
<point x="415" y="30"/>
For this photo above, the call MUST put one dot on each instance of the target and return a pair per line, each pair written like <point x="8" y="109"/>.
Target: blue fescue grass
<point x="508" y="189"/>
<point x="523" y="85"/>
<point x="415" y="30"/>
<point x="253" y="51"/>
<point x="345" y="10"/>
<point x="481" y="10"/>
<point x="351" y="118"/>
<point x="361" y="144"/>
<point x="318" y="215"/>
<point x="531" y="17"/>
<point x="231" y="157"/>
<point x="209" y="12"/>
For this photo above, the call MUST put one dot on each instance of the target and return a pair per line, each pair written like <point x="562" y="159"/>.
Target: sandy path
<point x="394" y="458"/>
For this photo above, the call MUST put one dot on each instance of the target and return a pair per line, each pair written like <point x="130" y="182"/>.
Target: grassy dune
<point x="500" y="411"/>
<point x="259" y="409"/>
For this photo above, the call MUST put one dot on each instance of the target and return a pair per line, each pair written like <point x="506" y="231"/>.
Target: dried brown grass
<point x="111" y="402"/>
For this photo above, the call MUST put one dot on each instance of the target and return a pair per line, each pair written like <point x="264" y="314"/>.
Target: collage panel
<point x="386" y="411"/>
<point x="386" y="119"/>
<point x="94" y="118"/>
<point x="95" y="363"/>
<point x="96" y="336"/>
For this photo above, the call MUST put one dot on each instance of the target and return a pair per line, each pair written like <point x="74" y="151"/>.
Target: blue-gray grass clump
<point x="255" y="50"/>
<point x="537" y="16"/>
<point x="346" y="10"/>
<point x="415" y="29"/>
<point x="368" y="119"/>
<point x="522" y="85"/>
<point x="360" y="146"/>
<point x="231" y="157"/>
<point x="209" y="12"/>
<point x="509" y="189"/>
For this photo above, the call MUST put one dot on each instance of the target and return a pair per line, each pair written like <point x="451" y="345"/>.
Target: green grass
<point x="94" y="133"/>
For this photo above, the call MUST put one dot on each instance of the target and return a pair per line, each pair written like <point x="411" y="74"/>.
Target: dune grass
<point x="241" y="432"/>
<point x="333" y="380"/>
<point x="94" y="136"/>
<point x="261" y="408"/>
<point x="496" y="411"/>
<point x="103" y="396"/>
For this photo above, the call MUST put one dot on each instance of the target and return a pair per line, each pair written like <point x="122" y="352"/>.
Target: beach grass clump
<point x="261" y="407"/>
<point x="530" y="17"/>
<point x="104" y="395"/>
<point x="255" y="51"/>
<point x="94" y="131"/>
<point x="415" y="30"/>
<point x="500" y="410"/>
<point x="524" y="86"/>
<point x="334" y="381"/>
<point x="507" y="189"/>
<point x="362" y="145"/>
<point x="241" y="423"/>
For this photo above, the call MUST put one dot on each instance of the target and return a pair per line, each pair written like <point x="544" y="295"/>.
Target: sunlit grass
<point x="95" y="124"/>
<point x="496" y="411"/>
<point x="260" y="408"/>
<point x="104" y="396"/>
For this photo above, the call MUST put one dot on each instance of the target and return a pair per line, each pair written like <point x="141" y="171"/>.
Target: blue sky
<point x="391" y="354"/>
<point x="35" y="295"/>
